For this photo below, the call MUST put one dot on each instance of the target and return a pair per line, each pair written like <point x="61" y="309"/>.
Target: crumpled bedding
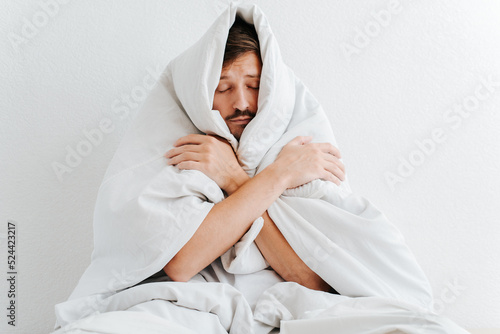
<point x="147" y="210"/>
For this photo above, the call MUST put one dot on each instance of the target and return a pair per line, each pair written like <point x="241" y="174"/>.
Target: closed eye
<point x="225" y="90"/>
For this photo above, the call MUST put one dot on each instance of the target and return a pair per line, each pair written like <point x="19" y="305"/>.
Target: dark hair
<point x="242" y="38"/>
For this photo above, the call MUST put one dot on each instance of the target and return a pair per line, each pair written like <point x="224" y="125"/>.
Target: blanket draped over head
<point x="146" y="210"/>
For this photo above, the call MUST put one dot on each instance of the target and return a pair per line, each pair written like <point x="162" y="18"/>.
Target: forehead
<point x="247" y="65"/>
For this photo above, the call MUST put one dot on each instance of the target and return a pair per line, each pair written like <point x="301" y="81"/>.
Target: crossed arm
<point x="248" y="198"/>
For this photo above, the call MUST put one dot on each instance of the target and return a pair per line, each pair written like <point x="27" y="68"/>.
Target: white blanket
<point x="146" y="211"/>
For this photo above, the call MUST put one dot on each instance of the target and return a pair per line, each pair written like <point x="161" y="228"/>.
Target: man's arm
<point x="248" y="199"/>
<point x="225" y="224"/>
<point x="283" y="259"/>
<point x="280" y="255"/>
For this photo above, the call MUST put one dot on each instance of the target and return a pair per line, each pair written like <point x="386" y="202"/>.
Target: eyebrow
<point x="246" y="76"/>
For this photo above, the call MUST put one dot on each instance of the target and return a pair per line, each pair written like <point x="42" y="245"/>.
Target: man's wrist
<point x="273" y="173"/>
<point x="277" y="176"/>
<point x="237" y="182"/>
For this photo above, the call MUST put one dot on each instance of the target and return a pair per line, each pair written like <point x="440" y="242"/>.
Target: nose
<point x="241" y="99"/>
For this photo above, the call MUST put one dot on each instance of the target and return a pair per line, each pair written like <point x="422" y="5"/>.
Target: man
<point x="236" y="98"/>
<point x="246" y="201"/>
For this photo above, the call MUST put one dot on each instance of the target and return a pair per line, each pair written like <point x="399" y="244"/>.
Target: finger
<point x="186" y="156"/>
<point x="335" y="160"/>
<point x="335" y="170"/>
<point x="188" y="165"/>
<point x="337" y="173"/>
<point x="328" y="176"/>
<point x="181" y="149"/>
<point x="195" y="139"/>
<point x="329" y="148"/>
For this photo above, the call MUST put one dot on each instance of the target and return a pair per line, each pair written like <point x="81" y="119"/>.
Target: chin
<point x="237" y="133"/>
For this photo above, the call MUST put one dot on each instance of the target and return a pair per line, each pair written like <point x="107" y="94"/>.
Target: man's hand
<point x="211" y="155"/>
<point x="298" y="162"/>
<point x="301" y="161"/>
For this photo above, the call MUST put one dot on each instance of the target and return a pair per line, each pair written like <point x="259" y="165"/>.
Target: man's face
<point x="237" y="93"/>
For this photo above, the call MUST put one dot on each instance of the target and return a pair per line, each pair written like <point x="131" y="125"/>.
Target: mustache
<point x="238" y="113"/>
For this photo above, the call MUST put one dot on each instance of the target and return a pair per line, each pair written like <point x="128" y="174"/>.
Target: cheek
<point x="255" y="99"/>
<point x="219" y="104"/>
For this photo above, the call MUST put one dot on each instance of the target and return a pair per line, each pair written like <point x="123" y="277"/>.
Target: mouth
<point x="241" y="120"/>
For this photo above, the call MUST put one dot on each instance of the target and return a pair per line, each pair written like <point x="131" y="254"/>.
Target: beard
<point x="237" y="129"/>
<point x="238" y="113"/>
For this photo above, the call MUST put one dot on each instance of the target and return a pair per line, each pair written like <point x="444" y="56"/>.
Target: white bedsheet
<point x="218" y="308"/>
<point x="146" y="211"/>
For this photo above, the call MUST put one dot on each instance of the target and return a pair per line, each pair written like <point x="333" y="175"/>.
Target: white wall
<point x="73" y="71"/>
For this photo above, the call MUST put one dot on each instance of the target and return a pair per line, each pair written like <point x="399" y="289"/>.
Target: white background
<point x="67" y="75"/>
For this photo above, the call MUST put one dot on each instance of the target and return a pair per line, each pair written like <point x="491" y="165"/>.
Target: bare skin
<point x="248" y="198"/>
<point x="237" y="94"/>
